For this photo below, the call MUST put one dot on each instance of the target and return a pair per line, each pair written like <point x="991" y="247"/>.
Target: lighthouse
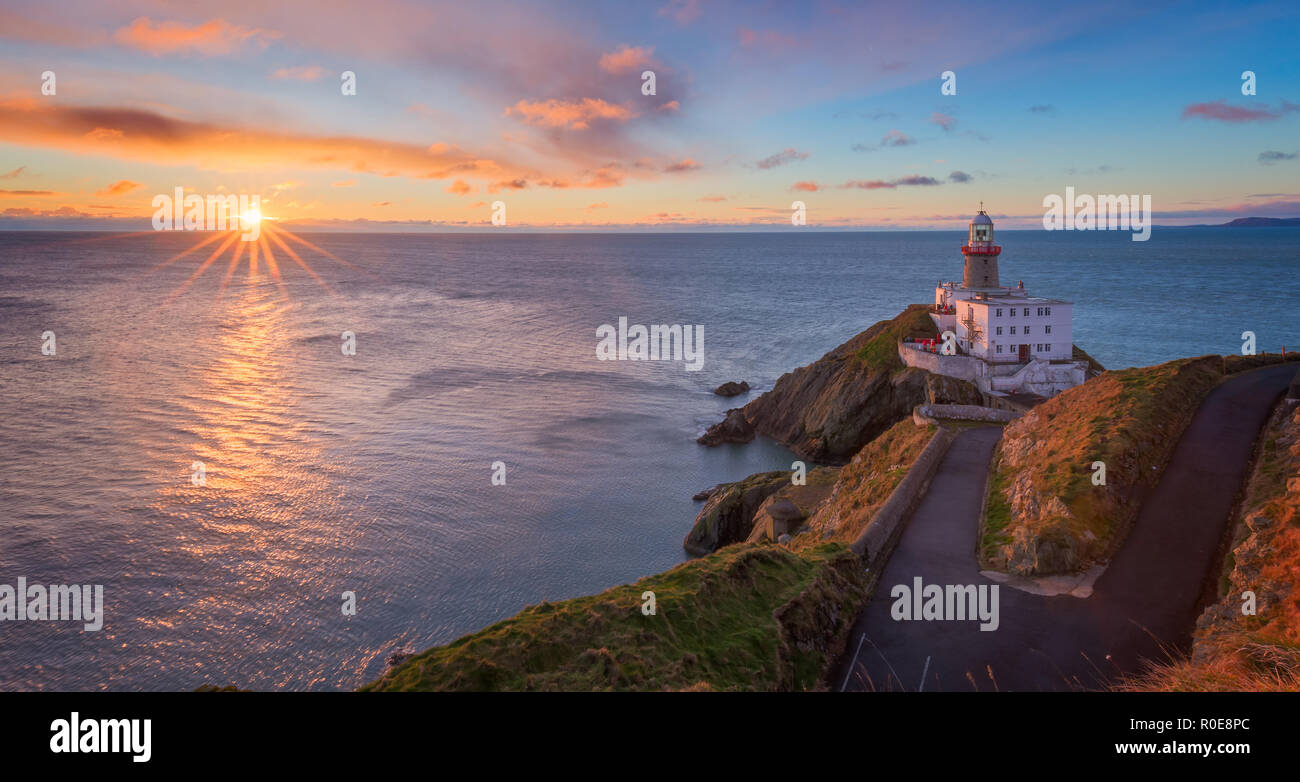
<point x="981" y="269"/>
<point x="1007" y="341"/>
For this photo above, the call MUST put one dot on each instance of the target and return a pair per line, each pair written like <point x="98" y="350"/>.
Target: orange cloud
<point x="574" y="114"/>
<point x="118" y="188"/>
<point x="212" y="38"/>
<point x="627" y="58"/>
<point x="300" y="73"/>
<point x="680" y="166"/>
<point x="134" y="134"/>
<point x="810" y="187"/>
<point x="459" y="187"/>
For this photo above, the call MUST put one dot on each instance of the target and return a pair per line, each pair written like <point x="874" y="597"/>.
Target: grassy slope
<point x="743" y="618"/>
<point x="1129" y="419"/>
<point x="866" y="482"/>
<point x="881" y="350"/>
<point x="1261" y="652"/>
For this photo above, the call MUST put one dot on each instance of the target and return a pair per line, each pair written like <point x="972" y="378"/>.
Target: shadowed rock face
<point x="828" y="410"/>
<point x="760" y="507"/>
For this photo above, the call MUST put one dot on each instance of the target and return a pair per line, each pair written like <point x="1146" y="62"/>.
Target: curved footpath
<point x="1146" y="601"/>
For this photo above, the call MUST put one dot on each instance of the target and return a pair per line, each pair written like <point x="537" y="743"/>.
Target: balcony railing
<point x="992" y="249"/>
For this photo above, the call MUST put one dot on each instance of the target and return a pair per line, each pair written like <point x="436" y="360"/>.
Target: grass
<point x="744" y="618"/>
<point x="866" y="482"/>
<point x="881" y="349"/>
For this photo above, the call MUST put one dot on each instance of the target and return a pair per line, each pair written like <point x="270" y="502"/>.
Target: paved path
<point x="1146" y="601"/>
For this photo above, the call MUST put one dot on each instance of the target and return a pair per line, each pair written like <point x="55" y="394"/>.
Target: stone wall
<point x="877" y="541"/>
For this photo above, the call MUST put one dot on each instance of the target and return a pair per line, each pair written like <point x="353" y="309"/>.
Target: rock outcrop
<point x="732" y="388"/>
<point x="828" y="410"/>
<point x="735" y="428"/>
<point x="761" y="507"/>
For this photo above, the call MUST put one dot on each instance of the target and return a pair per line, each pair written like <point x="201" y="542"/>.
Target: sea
<point x="267" y="511"/>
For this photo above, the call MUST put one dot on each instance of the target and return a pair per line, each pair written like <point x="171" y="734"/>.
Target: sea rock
<point x="735" y="428"/>
<point x="732" y="388"/>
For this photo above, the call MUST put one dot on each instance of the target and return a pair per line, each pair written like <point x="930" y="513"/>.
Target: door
<point x="1024" y="354"/>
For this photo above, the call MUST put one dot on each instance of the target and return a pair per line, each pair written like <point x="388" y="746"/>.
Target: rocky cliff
<point x="828" y="410"/>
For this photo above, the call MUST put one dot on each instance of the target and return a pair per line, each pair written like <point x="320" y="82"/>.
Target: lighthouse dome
<point x="982" y="219"/>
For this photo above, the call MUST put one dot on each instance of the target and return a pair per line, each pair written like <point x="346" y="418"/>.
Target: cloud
<point x="26" y="192"/>
<point x="891" y="67"/>
<point x="627" y="58"/>
<point x="1042" y="108"/>
<point x="681" y="165"/>
<point x="896" y="138"/>
<point x="1269" y="157"/>
<point x="212" y="38"/>
<point x="960" y="177"/>
<point x="787" y="155"/>
<point x="118" y="188"/>
<point x="300" y="73"/>
<point x="345" y="183"/>
<point x="507" y="184"/>
<point x="879" y="184"/>
<point x="14" y="173"/>
<point x="573" y="114"/>
<point x="943" y="120"/>
<point x="712" y="199"/>
<point x="682" y="11"/>
<point x="150" y="137"/>
<point x="808" y="187"/>
<point x="1225" y="113"/>
<point x="600" y="205"/>
<point x="459" y="187"/>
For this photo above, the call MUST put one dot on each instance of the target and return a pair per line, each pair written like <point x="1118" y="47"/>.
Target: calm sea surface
<point x="371" y="473"/>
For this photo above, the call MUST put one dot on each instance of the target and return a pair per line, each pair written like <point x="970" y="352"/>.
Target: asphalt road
<point x="1144" y="604"/>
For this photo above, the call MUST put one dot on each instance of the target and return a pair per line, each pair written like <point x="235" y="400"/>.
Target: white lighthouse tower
<point x="981" y="270"/>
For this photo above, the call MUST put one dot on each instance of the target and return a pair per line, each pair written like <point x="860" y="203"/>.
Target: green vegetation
<point x="749" y="617"/>
<point x="881" y="349"/>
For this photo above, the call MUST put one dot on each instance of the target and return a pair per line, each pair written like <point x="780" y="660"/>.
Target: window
<point x="1047" y="329"/>
<point x="1013" y="329"/>
<point x="1040" y="312"/>
<point x="1047" y="310"/>
<point x="1026" y="329"/>
<point x="999" y="312"/>
<point x="1048" y="348"/>
<point x="1026" y="312"/>
<point x="999" y="348"/>
<point x="999" y="331"/>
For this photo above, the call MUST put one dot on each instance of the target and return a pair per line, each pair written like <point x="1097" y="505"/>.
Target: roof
<point x="1015" y="301"/>
<point x="982" y="219"/>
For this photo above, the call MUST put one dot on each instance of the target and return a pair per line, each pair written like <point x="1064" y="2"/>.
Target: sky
<point x="542" y="106"/>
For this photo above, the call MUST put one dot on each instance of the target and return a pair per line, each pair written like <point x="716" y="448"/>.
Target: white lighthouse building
<point x="1008" y="342"/>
